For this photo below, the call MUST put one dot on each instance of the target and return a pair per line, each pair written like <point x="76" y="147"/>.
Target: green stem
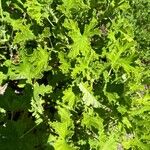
<point x="1" y="10"/>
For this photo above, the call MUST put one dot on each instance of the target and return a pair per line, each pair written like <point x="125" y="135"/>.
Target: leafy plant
<point x="74" y="75"/>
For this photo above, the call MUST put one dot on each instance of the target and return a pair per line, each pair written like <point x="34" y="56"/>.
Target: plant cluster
<point x="74" y="75"/>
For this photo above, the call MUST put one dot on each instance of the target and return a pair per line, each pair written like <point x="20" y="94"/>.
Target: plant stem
<point x="1" y="10"/>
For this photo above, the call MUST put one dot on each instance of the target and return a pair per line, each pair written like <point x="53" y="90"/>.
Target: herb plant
<point x="74" y="75"/>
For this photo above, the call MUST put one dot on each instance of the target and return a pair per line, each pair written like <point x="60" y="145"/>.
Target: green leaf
<point x="65" y="127"/>
<point x="69" y="5"/>
<point x="35" y="10"/>
<point x="69" y="98"/>
<point x="23" y="35"/>
<point x="2" y="77"/>
<point x="37" y="101"/>
<point x="61" y="144"/>
<point x="88" y="98"/>
<point x="31" y="66"/>
<point x="91" y="119"/>
<point x="81" y="42"/>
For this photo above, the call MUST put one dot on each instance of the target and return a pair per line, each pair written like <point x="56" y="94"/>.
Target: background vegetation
<point x="74" y="75"/>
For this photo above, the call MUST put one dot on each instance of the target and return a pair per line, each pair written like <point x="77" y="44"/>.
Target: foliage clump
<point x="74" y="75"/>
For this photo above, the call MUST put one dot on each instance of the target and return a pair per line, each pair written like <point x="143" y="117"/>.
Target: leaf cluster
<point x="74" y="75"/>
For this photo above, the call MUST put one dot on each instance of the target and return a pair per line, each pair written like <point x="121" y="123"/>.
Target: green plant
<point x="73" y="75"/>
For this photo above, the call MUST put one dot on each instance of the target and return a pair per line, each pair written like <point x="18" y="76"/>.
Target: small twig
<point x="50" y="22"/>
<point x="3" y="47"/>
<point x="27" y="132"/>
<point x="51" y="42"/>
<point x="110" y="71"/>
<point x="12" y="115"/>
